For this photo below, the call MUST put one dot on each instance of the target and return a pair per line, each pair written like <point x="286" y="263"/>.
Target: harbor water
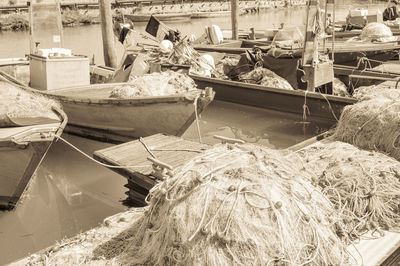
<point x="71" y="194"/>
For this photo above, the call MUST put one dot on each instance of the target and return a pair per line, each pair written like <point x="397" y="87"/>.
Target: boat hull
<point x="122" y="121"/>
<point x="22" y="149"/>
<point x="321" y="106"/>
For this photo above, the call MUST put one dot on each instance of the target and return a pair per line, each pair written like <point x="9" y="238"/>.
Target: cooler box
<point x="55" y="72"/>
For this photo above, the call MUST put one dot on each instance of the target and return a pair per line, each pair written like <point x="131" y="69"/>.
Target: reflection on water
<point x="272" y="129"/>
<point x="71" y="194"/>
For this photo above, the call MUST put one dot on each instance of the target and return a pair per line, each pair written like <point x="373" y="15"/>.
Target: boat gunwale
<point x="187" y="97"/>
<point x="301" y="93"/>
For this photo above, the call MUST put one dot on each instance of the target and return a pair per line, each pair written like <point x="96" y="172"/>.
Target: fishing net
<point x="242" y="205"/>
<point x="265" y="77"/>
<point x="17" y="104"/>
<point x="371" y="92"/>
<point x="339" y="88"/>
<point x="184" y="54"/>
<point x="365" y="186"/>
<point x="79" y="249"/>
<point x="376" y="31"/>
<point x="226" y="66"/>
<point x="155" y="84"/>
<point x="372" y="124"/>
<point x="288" y="38"/>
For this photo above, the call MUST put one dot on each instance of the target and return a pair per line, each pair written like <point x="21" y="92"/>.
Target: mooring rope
<point x="197" y="118"/>
<point x="97" y="161"/>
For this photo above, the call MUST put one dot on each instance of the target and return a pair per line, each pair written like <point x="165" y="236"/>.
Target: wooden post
<point x="234" y="17"/>
<point x="110" y="55"/>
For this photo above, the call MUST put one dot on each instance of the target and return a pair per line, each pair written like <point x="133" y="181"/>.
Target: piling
<point x="234" y="17"/>
<point x="110" y="55"/>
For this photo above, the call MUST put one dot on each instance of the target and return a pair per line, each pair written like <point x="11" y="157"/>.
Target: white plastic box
<point x="50" y="73"/>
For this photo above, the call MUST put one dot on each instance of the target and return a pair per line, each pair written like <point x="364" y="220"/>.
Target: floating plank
<point x="171" y="150"/>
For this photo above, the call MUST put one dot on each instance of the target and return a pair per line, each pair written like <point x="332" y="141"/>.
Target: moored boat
<point x="92" y="113"/>
<point x="24" y="143"/>
<point x="345" y="53"/>
<point x="210" y="14"/>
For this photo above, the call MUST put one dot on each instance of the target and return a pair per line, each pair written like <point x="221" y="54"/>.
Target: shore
<point x="71" y="17"/>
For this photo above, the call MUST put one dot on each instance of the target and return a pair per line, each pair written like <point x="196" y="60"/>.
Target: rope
<point x="141" y="140"/>
<point x="97" y="161"/>
<point x="330" y="107"/>
<point x="306" y="110"/>
<point x="197" y="118"/>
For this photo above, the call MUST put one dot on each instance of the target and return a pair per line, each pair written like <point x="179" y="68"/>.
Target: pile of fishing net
<point x="376" y="31"/>
<point x="18" y="105"/>
<point x="79" y="249"/>
<point x="339" y="88"/>
<point x="234" y="205"/>
<point x="265" y="77"/>
<point x="288" y="38"/>
<point x="381" y="90"/>
<point x="226" y="65"/>
<point x="363" y="185"/>
<point x="184" y="54"/>
<point x="372" y="124"/>
<point x="154" y="84"/>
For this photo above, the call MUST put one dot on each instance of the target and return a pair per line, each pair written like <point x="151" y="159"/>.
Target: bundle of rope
<point x="155" y="84"/>
<point x="372" y="92"/>
<point x="372" y="124"/>
<point x="265" y="77"/>
<point x="363" y="185"/>
<point x="234" y="204"/>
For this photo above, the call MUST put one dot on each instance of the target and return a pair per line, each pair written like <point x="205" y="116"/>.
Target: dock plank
<point x="171" y="150"/>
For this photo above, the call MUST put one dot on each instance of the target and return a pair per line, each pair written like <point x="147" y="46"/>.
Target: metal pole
<point x="110" y="55"/>
<point x="234" y="17"/>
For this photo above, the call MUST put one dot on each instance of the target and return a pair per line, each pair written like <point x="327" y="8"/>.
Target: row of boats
<point x="90" y="112"/>
<point x="187" y="11"/>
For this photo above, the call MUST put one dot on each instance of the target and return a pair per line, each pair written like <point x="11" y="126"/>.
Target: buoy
<point x="166" y="46"/>
<point x="209" y="59"/>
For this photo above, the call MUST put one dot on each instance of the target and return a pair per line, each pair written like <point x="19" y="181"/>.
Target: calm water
<point x="71" y="194"/>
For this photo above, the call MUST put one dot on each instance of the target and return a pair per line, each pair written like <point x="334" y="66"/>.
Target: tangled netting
<point x="289" y="38"/>
<point x="226" y="66"/>
<point x="155" y="84"/>
<point x="371" y="92"/>
<point x="265" y="77"/>
<point x="363" y="185"/>
<point x="372" y="124"/>
<point x="242" y="205"/>
<point x="17" y="103"/>
<point x="376" y="31"/>
<point x="339" y="88"/>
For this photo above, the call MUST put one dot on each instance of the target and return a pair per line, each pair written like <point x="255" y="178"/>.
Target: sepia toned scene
<point x="201" y="132"/>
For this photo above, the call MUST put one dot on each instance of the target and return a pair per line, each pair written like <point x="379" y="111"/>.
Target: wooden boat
<point x="22" y="149"/>
<point x="210" y="14"/>
<point x="345" y="53"/>
<point x="162" y="17"/>
<point x="320" y="106"/>
<point x="91" y="113"/>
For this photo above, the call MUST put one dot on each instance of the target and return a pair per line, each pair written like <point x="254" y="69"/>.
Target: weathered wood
<point x="234" y="18"/>
<point x="110" y="54"/>
<point x="171" y="150"/>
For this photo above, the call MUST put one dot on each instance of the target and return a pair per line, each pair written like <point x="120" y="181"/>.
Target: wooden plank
<point x="171" y="150"/>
